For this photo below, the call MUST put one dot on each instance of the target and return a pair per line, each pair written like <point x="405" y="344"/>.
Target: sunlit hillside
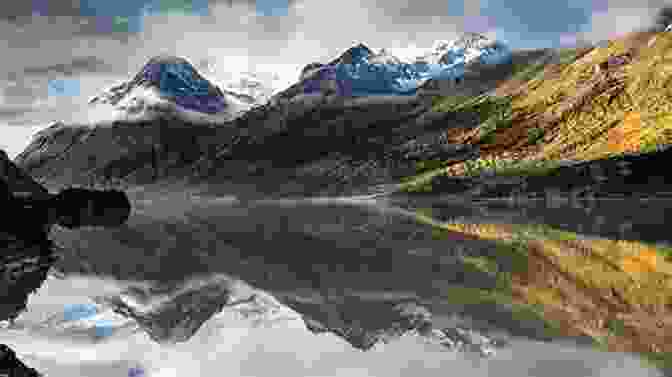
<point x="587" y="104"/>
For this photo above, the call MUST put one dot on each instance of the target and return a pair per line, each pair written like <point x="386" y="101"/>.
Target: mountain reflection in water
<point x="298" y="287"/>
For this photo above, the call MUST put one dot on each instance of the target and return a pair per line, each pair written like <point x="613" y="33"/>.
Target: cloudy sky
<point x="56" y="54"/>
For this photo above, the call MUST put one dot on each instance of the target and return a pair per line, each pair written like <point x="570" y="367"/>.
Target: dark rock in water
<point x="26" y="252"/>
<point x="19" y="183"/>
<point x="20" y="276"/>
<point x="23" y="269"/>
<point x="108" y="208"/>
<point x="11" y="366"/>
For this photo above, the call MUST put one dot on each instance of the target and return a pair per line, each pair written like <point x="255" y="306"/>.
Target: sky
<point x="56" y="54"/>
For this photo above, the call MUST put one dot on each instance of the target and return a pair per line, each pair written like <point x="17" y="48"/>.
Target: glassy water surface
<point x="199" y="286"/>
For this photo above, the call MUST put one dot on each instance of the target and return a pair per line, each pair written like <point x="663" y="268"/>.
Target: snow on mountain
<point x="250" y="85"/>
<point x="466" y="49"/>
<point x="360" y="71"/>
<point x="168" y="85"/>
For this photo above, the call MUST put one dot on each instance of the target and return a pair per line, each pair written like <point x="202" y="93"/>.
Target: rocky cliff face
<point x="10" y="365"/>
<point x="318" y="144"/>
<point x="23" y="263"/>
<point x="129" y="152"/>
<point x="19" y="182"/>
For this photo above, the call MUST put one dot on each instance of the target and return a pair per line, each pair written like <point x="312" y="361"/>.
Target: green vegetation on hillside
<point x="429" y="166"/>
<point x="509" y="167"/>
<point x="456" y="103"/>
<point x="494" y="113"/>
<point x="576" y="113"/>
<point x="424" y="181"/>
<point x="527" y="72"/>
<point x="567" y="55"/>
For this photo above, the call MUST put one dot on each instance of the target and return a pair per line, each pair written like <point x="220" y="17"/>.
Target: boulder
<point x="10" y="365"/>
<point x="19" y="183"/>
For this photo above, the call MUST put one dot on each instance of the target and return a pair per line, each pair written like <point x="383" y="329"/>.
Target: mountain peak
<point x="175" y="75"/>
<point x="354" y="54"/>
<point x="167" y="59"/>
<point x="173" y="78"/>
<point x="471" y="40"/>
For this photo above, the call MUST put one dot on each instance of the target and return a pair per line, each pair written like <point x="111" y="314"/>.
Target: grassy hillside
<point x="567" y="110"/>
<point x="617" y="292"/>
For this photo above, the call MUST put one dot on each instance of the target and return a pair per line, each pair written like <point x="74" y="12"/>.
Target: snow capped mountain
<point x="172" y="78"/>
<point x="356" y="54"/>
<point x="384" y="57"/>
<point x="249" y="86"/>
<point x="360" y="71"/>
<point x="170" y="85"/>
<point x="466" y="49"/>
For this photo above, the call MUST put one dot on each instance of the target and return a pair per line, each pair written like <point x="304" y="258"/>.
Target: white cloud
<point x="614" y="19"/>
<point x="616" y="22"/>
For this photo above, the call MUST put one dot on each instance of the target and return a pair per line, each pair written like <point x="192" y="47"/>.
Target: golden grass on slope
<point x="626" y="137"/>
<point x="634" y="100"/>
<point x="581" y="113"/>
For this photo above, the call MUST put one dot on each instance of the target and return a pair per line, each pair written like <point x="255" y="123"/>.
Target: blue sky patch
<point x="64" y="87"/>
<point x="272" y="7"/>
